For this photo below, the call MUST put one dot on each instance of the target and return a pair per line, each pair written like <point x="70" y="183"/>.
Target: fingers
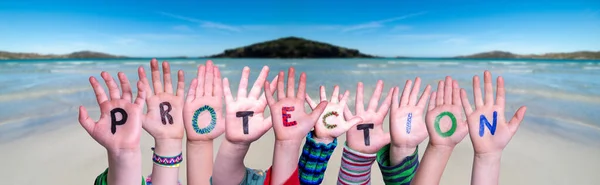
<point x="227" y="92"/>
<point x="155" y="76"/>
<point x="500" y="92"/>
<point x="280" y="90"/>
<point x="395" y="101"/>
<point x="439" y="99"/>
<point x="302" y="87"/>
<point x="376" y="96"/>
<point x="432" y="101"/>
<point x="347" y="113"/>
<point x="98" y="90"/>
<point x="335" y="97"/>
<point x="113" y="89"/>
<point x="314" y="115"/>
<point x="192" y="91"/>
<point x="200" y="78"/>
<point x="127" y="94"/>
<point x="487" y="82"/>
<point x="455" y="93"/>
<point x="405" y="93"/>
<point x="291" y="83"/>
<point x="310" y="102"/>
<point x="344" y="98"/>
<point x="243" y="87"/>
<point x="465" y="102"/>
<point x="141" y="95"/>
<point x="271" y="86"/>
<point x="424" y="97"/>
<point x="359" y="105"/>
<point x="218" y="83"/>
<point x="448" y="91"/>
<point x="142" y="77"/>
<point x="167" y="77"/>
<point x="516" y="120"/>
<point x="323" y="93"/>
<point x="258" y="84"/>
<point x="385" y="105"/>
<point x="180" y="84"/>
<point x="477" y="92"/>
<point x="86" y="122"/>
<point x="269" y="93"/>
<point x="415" y="92"/>
<point x="209" y="79"/>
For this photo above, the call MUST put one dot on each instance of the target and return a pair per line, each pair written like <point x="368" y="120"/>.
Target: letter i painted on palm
<point x="483" y="121"/>
<point x="286" y="116"/>
<point x="409" y="123"/>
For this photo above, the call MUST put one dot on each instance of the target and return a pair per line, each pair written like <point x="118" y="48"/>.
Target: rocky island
<point x="75" y="55"/>
<point x="580" y="55"/>
<point x="291" y="47"/>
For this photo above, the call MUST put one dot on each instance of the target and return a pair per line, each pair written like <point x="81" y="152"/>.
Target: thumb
<point x="314" y="115"/>
<point x="86" y="122"/>
<point x="350" y="123"/>
<point x="516" y="120"/>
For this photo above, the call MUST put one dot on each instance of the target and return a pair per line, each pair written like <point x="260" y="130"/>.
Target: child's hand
<point x="369" y="137"/>
<point x="245" y="115"/>
<point x="202" y="112"/>
<point x="290" y="121"/>
<point x="444" y="120"/>
<point x="488" y="128"/>
<point x="120" y="124"/>
<point x="331" y="123"/>
<point x="406" y="117"/>
<point x="164" y="117"/>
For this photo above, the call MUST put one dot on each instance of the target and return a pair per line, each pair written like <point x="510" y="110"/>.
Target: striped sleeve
<point x="314" y="159"/>
<point x="356" y="167"/>
<point x="401" y="174"/>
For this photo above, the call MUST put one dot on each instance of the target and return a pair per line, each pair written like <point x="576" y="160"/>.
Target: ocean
<point x="563" y="96"/>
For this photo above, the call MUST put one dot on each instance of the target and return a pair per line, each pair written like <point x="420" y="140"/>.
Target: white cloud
<point x="203" y="23"/>
<point x="401" y="28"/>
<point x="420" y="36"/>
<point x="379" y="23"/>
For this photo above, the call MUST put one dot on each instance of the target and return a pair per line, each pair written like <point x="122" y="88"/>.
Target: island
<point x="579" y="55"/>
<point x="291" y="47"/>
<point x="75" y="55"/>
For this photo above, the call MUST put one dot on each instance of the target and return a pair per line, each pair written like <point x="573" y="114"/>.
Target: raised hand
<point x="488" y="128"/>
<point x="163" y="119"/>
<point x="369" y="137"/>
<point x="444" y="120"/>
<point x="120" y="124"/>
<point x="290" y="121"/>
<point x="407" y="125"/>
<point x="202" y="112"/>
<point x="332" y="123"/>
<point x="245" y="120"/>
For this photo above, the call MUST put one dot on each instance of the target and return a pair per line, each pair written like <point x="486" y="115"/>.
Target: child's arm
<point x="291" y="124"/>
<point x="398" y="161"/>
<point x="365" y="139"/>
<point x="203" y="121"/>
<point x="245" y="123"/>
<point x="164" y="121"/>
<point x="488" y="128"/>
<point x="118" y="129"/>
<point x="321" y="143"/>
<point x="446" y="128"/>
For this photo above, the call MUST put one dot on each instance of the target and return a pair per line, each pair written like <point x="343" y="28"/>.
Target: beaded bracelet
<point x="171" y="162"/>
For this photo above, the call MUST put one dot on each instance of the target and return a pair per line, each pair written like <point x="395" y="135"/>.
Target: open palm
<point x="487" y="124"/>
<point x="125" y="135"/>
<point x="256" y="124"/>
<point x="378" y="138"/>
<point x="407" y="126"/>
<point x="163" y="119"/>
<point x="290" y="121"/>
<point x="332" y="123"/>
<point x="203" y="109"/>
<point x="444" y="120"/>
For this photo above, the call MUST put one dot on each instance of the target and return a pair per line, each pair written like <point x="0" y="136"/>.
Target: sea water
<point x="563" y="96"/>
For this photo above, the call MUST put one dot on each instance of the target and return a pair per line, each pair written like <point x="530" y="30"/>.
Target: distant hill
<point x="582" y="55"/>
<point x="75" y="55"/>
<point x="291" y="47"/>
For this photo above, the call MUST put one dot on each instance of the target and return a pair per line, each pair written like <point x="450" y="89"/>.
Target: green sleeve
<point x="401" y="174"/>
<point x="102" y="179"/>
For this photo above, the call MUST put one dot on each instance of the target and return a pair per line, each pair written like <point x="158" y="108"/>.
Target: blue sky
<point x="388" y="28"/>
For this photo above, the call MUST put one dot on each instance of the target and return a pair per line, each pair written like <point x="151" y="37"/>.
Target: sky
<point x="423" y="28"/>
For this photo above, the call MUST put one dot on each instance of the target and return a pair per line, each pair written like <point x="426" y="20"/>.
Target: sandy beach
<point x="558" y="142"/>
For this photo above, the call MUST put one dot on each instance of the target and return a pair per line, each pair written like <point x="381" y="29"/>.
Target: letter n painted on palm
<point x="483" y="121"/>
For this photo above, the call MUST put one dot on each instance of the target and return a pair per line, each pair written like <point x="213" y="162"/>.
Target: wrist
<point x="493" y="157"/>
<point x="402" y="151"/>
<point x="123" y="154"/>
<point x="167" y="147"/>
<point x="321" y="139"/>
